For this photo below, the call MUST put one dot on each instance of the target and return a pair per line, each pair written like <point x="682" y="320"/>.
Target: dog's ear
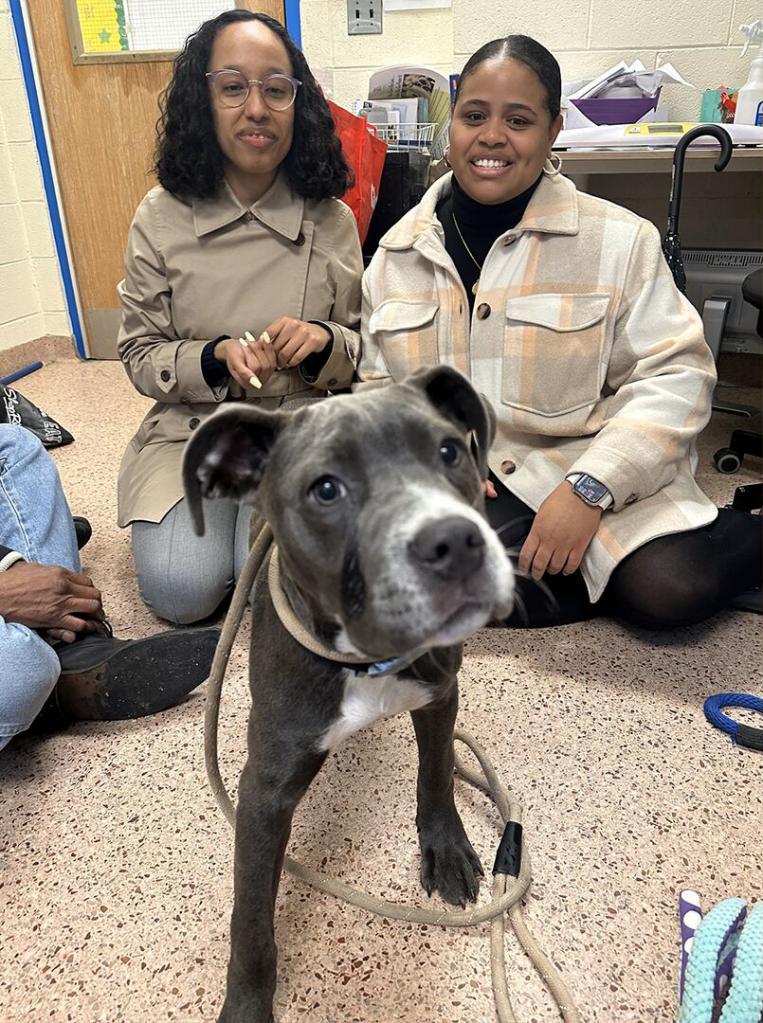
<point x="227" y="456"/>
<point x="455" y="398"/>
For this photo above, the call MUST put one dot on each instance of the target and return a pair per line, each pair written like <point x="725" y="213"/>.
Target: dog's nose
<point x="451" y="548"/>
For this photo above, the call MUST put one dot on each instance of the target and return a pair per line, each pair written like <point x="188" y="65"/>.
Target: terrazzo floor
<point x="116" y="865"/>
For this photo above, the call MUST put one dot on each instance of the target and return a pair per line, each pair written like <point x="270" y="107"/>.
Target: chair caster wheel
<point x="727" y="460"/>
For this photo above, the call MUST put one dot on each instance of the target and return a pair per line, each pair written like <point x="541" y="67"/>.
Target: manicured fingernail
<point x="264" y="336"/>
<point x="255" y="382"/>
<point x="248" y="337"/>
<point x="244" y="343"/>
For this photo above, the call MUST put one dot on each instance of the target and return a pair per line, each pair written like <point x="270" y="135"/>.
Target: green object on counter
<point x="710" y="110"/>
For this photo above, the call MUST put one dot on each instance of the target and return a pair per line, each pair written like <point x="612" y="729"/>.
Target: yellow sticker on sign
<point x="659" y="128"/>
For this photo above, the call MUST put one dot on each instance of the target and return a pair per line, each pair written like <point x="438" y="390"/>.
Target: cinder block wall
<point x="587" y="36"/>
<point x="31" y="297"/>
<point x="700" y="37"/>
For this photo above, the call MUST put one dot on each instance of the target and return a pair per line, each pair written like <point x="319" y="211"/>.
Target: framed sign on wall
<point x="120" y="31"/>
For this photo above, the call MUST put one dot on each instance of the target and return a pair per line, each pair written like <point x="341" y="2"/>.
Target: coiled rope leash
<point x="511" y="872"/>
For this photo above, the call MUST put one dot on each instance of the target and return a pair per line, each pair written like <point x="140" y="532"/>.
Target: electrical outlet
<point x="364" y="17"/>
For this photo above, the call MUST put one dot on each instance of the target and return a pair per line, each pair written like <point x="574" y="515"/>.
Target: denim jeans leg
<point x="34" y="515"/>
<point x="34" y="520"/>
<point x="29" y="669"/>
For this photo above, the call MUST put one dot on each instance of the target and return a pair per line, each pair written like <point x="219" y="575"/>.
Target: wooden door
<point x="102" y="120"/>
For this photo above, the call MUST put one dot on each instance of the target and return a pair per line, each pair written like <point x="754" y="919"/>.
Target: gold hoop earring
<point x="446" y="156"/>
<point x="550" y="168"/>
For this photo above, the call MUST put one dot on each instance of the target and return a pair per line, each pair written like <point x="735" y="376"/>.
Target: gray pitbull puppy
<point x="376" y="504"/>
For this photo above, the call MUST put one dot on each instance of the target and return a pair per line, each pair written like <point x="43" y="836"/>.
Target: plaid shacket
<point x="592" y="359"/>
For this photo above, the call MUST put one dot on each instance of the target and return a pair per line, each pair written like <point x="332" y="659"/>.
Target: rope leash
<point x="512" y="873"/>
<point x="741" y="735"/>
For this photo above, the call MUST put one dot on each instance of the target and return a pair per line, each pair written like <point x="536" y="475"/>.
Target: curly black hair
<point x="189" y="162"/>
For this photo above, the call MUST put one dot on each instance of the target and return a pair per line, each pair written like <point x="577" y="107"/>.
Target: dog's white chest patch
<point x="366" y="699"/>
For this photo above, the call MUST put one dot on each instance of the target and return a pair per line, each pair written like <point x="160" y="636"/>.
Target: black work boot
<point x="106" y="679"/>
<point x="83" y="529"/>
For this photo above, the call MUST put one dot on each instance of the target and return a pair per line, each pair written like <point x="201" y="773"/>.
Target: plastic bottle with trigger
<point x="749" y="109"/>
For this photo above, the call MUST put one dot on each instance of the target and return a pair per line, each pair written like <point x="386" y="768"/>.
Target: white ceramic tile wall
<point x="31" y="295"/>
<point x="587" y="36"/>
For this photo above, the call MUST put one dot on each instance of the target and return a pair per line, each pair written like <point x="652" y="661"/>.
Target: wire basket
<point x="419" y="136"/>
<point x="440" y="144"/>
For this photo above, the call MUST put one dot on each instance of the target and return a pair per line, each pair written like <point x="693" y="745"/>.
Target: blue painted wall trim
<point x="47" y="174"/>
<point x="293" y="21"/>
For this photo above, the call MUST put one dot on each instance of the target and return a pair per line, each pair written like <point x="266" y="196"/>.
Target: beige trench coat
<point x="195" y="272"/>
<point x="591" y="358"/>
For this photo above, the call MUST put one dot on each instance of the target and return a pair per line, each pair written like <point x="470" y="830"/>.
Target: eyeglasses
<point x="231" y="89"/>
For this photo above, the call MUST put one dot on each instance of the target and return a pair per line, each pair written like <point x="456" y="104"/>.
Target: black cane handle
<point x="716" y="132"/>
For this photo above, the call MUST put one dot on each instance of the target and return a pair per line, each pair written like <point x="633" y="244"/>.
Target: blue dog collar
<point x="742" y="735"/>
<point x="388" y="667"/>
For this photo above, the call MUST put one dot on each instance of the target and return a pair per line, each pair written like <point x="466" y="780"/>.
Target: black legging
<point x="674" y="580"/>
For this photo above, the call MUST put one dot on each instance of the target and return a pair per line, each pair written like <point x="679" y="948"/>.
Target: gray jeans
<point x="184" y="577"/>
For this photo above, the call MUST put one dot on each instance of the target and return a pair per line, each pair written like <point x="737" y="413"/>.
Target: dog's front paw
<point x="449" y="865"/>
<point x="244" y="1012"/>
<point x="225" y="1017"/>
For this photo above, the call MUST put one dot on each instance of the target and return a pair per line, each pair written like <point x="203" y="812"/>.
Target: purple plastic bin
<point x="616" y="111"/>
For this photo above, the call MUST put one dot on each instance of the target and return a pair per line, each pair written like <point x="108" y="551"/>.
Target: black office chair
<point x="747" y="441"/>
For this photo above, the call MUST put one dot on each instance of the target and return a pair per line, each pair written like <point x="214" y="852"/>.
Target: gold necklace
<point x="475" y="286"/>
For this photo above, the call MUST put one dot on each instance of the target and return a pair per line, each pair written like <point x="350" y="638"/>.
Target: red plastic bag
<point x="365" y="153"/>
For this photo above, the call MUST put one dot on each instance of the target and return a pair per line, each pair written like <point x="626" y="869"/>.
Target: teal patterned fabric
<point x="729" y="932"/>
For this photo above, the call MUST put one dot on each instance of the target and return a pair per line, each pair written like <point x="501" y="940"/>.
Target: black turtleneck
<point x="480" y="225"/>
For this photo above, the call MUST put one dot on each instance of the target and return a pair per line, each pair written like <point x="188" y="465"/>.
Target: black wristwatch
<point x="591" y="491"/>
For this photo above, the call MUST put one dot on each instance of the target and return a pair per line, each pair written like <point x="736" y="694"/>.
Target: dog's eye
<point x="327" y="489"/>
<point x="450" y="452"/>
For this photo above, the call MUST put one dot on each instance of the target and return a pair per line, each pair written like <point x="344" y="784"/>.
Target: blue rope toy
<point x="742" y="735"/>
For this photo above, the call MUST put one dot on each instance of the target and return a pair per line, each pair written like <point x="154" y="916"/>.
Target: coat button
<point x="331" y="382"/>
<point x="248" y="216"/>
<point x="165" y="375"/>
<point x="510" y="240"/>
<point x="508" y="467"/>
<point x="193" y="423"/>
<point x="483" y="311"/>
<point x="300" y="239"/>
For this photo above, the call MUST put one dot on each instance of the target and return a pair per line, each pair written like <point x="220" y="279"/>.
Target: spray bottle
<point x="750" y="97"/>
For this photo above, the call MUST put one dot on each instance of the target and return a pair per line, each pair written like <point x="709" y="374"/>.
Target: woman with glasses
<point x="242" y="282"/>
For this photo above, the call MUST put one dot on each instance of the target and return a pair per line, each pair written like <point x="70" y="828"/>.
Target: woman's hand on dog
<point x="561" y="533"/>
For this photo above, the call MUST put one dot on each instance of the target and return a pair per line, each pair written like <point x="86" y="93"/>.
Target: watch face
<point x="590" y="489"/>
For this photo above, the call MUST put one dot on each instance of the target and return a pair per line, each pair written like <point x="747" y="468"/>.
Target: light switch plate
<point x="364" y="17"/>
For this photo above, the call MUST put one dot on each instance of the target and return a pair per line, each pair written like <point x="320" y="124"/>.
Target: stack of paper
<point x="629" y="80"/>
<point x="400" y="84"/>
<point x="407" y="113"/>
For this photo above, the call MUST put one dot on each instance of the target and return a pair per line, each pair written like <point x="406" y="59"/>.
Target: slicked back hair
<point x="530" y="52"/>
